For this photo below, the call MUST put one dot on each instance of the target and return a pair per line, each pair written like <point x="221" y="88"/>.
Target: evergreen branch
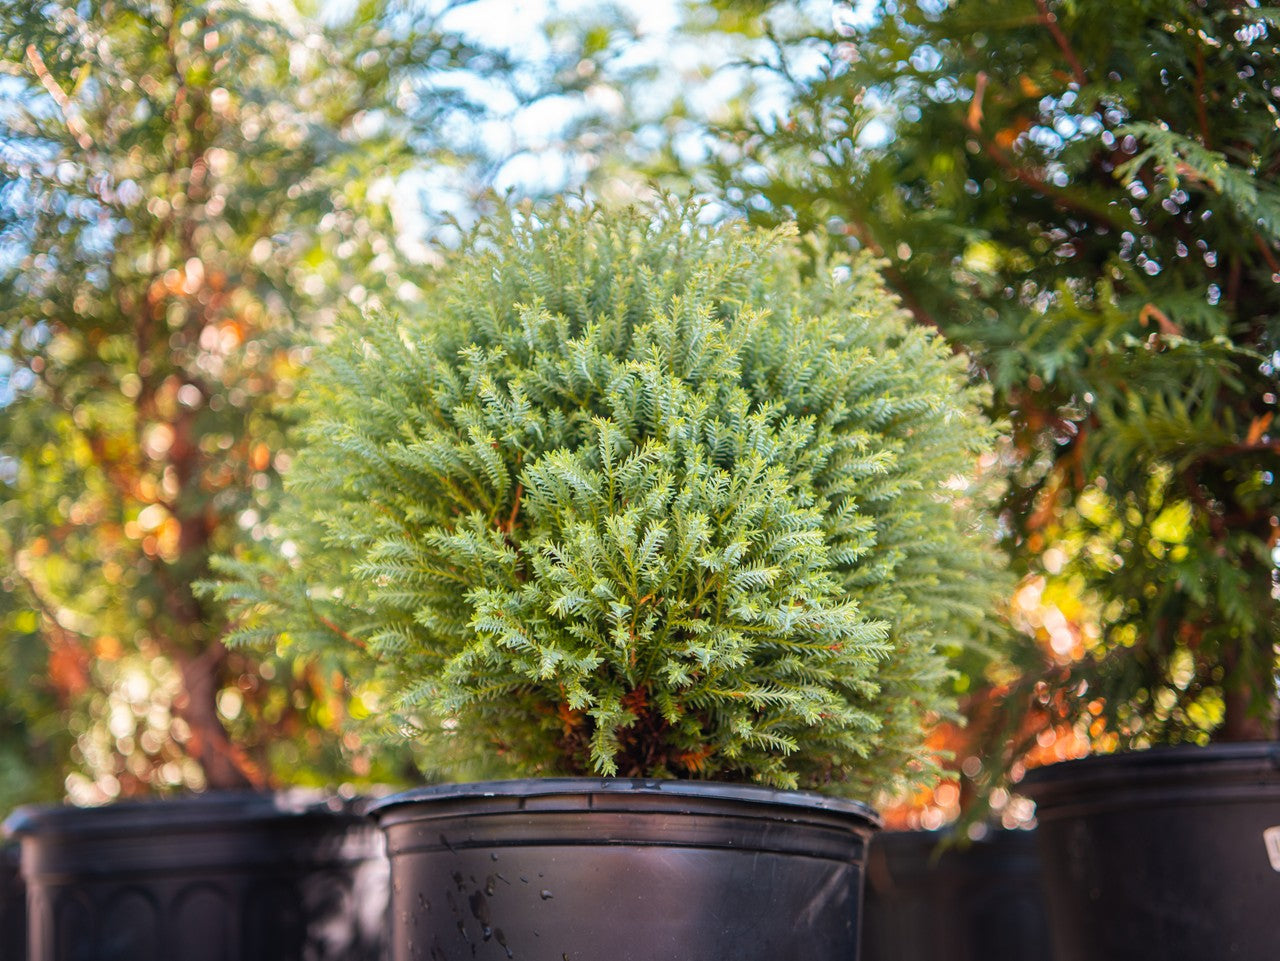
<point x="349" y="638"/>
<point x="1050" y="21"/>
<point x="1062" y="197"/>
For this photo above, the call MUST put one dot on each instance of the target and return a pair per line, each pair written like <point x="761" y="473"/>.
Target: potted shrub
<point x="633" y="508"/>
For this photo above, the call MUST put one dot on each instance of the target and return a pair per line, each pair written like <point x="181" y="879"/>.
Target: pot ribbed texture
<point x="219" y="877"/>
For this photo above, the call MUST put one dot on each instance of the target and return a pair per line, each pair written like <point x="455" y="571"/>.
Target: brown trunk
<point x="225" y="766"/>
<point x="1241" y="721"/>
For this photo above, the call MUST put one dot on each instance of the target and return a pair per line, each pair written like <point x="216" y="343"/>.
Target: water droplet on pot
<point x="546" y="895"/>
<point x="502" y="940"/>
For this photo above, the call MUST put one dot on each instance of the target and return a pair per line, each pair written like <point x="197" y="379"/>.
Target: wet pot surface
<point x="619" y="869"/>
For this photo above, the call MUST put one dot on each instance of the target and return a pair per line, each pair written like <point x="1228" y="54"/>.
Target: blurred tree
<point x="1085" y="195"/>
<point x="594" y="89"/>
<point x="34" y="741"/>
<point x="187" y="193"/>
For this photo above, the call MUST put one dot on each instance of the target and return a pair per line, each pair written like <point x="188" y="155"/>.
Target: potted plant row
<point x="634" y="514"/>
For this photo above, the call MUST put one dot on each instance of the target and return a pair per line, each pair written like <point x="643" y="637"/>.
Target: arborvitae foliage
<point x="630" y="497"/>
<point x="1084" y="194"/>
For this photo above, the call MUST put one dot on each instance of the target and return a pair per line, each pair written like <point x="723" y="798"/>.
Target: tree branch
<point x="509" y="524"/>
<point x="1267" y="255"/>
<point x="1050" y="20"/>
<point x="75" y="126"/>
<point x="1057" y="195"/>
<point x="349" y="638"/>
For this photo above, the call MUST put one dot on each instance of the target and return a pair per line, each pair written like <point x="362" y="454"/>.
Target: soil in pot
<point x="625" y="870"/>
<point x="1171" y="853"/>
<point x="218" y="877"/>
<point x="980" y="902"/>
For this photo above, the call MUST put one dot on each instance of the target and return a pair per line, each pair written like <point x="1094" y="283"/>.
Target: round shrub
<point x="629" y="495"/>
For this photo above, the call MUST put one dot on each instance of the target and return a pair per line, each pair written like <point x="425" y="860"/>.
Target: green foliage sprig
<point x="631" y="497"/>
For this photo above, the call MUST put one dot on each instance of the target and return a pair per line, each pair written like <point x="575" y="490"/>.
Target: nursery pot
<point x="624" y="870"/>
<point x="1170" y="853"/>
<point x="13" y="906"/>
<point x="217" y="877"/>
<point x="979" y="902"/>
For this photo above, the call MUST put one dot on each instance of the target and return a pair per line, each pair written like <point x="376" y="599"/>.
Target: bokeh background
<point x="1083" y="196"/>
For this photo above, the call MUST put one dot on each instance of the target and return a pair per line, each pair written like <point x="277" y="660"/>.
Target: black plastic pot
<point x="217" y="877"/>
<point x="623" y="870"/>
<point x="1172" y="853"/>
<point x="982" y="902"/>
<point x="13" y="906"/>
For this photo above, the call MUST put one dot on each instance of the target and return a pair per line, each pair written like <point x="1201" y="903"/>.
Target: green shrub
<point x="630" y="496"/>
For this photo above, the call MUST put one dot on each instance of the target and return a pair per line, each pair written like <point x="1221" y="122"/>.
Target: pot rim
<point x="192" y="812"/>
<point x="521" y="788"/>
<point x="1163" y="757"/>
<point x="1243" y="768"/>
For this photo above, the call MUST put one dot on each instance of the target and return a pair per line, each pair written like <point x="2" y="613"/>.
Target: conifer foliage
<point x="631" y="497"/>
<point x="1086" y="195"/>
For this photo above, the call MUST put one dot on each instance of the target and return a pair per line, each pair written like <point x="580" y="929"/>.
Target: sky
<point x="513" y="23"/>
